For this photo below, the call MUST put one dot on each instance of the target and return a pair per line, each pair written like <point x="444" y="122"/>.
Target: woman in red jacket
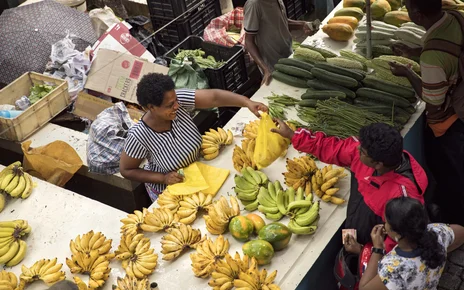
<point x="382" y="168"/>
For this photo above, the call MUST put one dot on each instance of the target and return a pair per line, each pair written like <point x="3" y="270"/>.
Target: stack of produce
<point x="138" y="259"/>
<point x="382" y="69"/>
<point x="207" y="256"/>
<point x="248" y="186"/>
<point x="191" y="205"/>
<point x="199" y="56"/>
<point x="219" y="215"/>
<point x="241" y="273"/>
<point x="242" y="227"/>
<point x="130" y="283"/>
<point x="91" y="255"/>
<point x="12" y="248"/>
<point x="382" y="36"/>
<point x="296" y="71"/>
<point x="214" y="141"/>
<point x="324" y="181"/>
<point x="396" y="18"/>
<point x="46" y="270"/>
<point x="15" y="182"/>
<point x="350" y="20"/>
<point x="410" y="34"/>
<point x="379" y="8"/>
<point x="8" y="280"/>
<point x="180" y="239"/>
<point x="299" y="172"/>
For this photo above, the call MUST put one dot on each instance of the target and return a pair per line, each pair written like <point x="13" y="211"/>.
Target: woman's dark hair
<point x="427" y="8"/>
<point x="408" y="217"/>
<point x="383" y="143"/>
<point x="152" y="87"/>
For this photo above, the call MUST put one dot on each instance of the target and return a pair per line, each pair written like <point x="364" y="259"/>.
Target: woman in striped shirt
<point x="166" y="135"/>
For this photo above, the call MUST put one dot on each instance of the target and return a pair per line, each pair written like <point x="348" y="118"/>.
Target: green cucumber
<point x="389" y="87"/>
<point x="340" y="70"/>
<point x="382" y="97"/>
<point x="308" y="103"/>
<point x="323" y="95"/>
<point x="293" y="71"/>
<point x="338" y="79"/>
<point x="327" y="86"/>
<point x="290" y="80"/>
<point x="296" y="63"/>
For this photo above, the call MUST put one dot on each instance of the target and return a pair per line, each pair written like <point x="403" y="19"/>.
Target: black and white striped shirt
<point x="171" y="150"/>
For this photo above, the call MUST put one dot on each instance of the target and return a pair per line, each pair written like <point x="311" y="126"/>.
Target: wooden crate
<point x="37" y="115"/>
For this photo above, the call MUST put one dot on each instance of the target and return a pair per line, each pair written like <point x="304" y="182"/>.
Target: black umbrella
<point x="28" y="32"/>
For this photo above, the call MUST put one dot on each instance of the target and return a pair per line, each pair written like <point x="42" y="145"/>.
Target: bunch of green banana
<point x="305" y="220"/>
<point x="15" y="182"/>
<point x="248" y="185"/>
<point x="12" y="248"/>
<point x="267" y="198"/>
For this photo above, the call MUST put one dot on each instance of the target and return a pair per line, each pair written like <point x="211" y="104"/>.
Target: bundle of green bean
<point x="277" y="110"/>
<point x="283" y="100"/>
<point x="199" y="56"/>
<point x="338" y="118"/>
<point x="307" y="115"/>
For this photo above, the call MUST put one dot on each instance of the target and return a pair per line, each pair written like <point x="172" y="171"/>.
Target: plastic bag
<point x="269" y="146"/>
<point x="55" y="163"/>
<point x="106" y="139"/>
<point x="102" y="19"/>
<point x="188" y="75"/>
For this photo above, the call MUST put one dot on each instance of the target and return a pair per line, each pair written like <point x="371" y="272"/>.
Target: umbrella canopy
<point x="28" y="32"/>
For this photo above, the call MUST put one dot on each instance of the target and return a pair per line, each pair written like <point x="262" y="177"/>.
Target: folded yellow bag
<point x="269" y="145"/>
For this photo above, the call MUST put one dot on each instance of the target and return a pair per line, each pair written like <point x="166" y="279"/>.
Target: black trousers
<point x="445" y="159"/>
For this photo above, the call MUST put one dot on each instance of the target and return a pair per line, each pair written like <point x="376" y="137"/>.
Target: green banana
<point x="254" y="175"/>
<point x="298" y="204"/>
<point x="310" y="216"/>
<point x="264" y="178"/>
<point x="290" y="194"/>
<point x="299" y="230"/>
<point x="247" y="177"/>
<point x="252" y="206"/>
<point x="300" y="194"/>
<point x="243" y="183"/>
<point x="301" y="210"/>
<point x="280" y="202"/>
<point x="277" y="185"/>
<point x="264" y="198"/>
<point x="246" y="191"/>
<point x="272" y="191"/>
<point x="246" y="196"/>
<point x="267" y="209"/>
<point x="274" y="216"/>
<point x="310" y="197"/>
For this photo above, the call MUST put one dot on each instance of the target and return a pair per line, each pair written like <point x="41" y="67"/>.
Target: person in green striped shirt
<point x="444" y="138"/>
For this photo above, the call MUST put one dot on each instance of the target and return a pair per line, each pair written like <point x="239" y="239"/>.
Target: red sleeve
<point x="331" y="150"/>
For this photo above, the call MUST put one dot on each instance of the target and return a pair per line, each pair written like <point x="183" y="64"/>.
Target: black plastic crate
<point x="295" y="8"/>
<point x="172" y="8"/>
<point x="193" y="24"/>
<point x="232" y="75"/>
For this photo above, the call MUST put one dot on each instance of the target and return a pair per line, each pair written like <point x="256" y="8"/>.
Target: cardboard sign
<point x="117" y="74"/>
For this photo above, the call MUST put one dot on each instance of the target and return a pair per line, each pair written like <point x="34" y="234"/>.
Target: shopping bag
<point x="55" y="163"/>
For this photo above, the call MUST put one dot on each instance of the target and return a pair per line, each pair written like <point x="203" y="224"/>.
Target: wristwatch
<point x="379" y="251"/>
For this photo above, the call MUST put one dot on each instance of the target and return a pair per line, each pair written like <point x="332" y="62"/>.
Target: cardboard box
<point x="117" y="74"/>
<point x="88" y="106"/>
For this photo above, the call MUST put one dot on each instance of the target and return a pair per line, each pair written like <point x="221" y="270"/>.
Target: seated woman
<point x="166" y="135"/>
<point x="418" y="260"/>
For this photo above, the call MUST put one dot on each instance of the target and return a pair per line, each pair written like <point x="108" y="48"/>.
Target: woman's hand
<point x="172" y="178"/>
<point x="378" y="236"/>
<point x="399" y="70"/>
<point x="352" y="246"/>
<point x="255" y="107"/>
<point x="283" y="130"/>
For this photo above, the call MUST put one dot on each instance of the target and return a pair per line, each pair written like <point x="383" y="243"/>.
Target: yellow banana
<point x="19" y="189"/>
<point x="12" y="251"/>
<point x="211" y="156"/>
<point x="19" y="255"/>
<point x="29" y="185"/>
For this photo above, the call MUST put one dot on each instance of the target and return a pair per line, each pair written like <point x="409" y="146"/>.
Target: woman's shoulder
<point x="444" y="232"/>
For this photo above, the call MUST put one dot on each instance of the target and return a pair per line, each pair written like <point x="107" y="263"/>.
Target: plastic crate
<point x="192" y="24"/>
<point x="232" y="75"/>
<point x="295" y="8"/>
<point x="170" y="8"/>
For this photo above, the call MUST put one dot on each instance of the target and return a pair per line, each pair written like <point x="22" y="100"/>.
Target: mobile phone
<point x="351" y="232"/>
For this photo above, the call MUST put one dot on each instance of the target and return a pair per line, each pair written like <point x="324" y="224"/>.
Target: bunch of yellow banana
<point x="213" y="141"/>
<point x="169" y="201"/>
<point x="138" y="259"/>
<point x="180" y="239"/>
<point x="80" y="284"/>
<point x="323" y="183"/>
<point x="46" y="270"/>
<point x="208" y="253"/>
<point x="227" y="270"/>
<point x="191" y="205"/>
<point x="248" y="186"/>
<point x="12" y="248"/>
<point x="132" y="223"/>
<point x="160" y="219"/>
<point x="8" y="280"/>
<point x="219" y="215"/>
<point x="91" y="242"/>
<point x="299" y="171"/>
<point x="250" y="131"/>
<point x="255" y="279"/>
<point x="130" y="283"/>
<point x="15" y="182"/>
<point x="242" y="157"/>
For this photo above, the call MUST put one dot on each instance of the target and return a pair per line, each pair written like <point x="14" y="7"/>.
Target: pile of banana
<point x="46" y="270"/>
<point x="241" y="273"/>
<point x="248" y="185"/>
<point x="304" y="219"/>
<point x="169" y="201"/>
<point x="8" y="280"/>
<point x="160" y="219"/>
<point x="207" y="255"/>
<point x="299" y="171"/>
<point x="242" y="157"/>
<point x="179" y="239"/>
<point x="219" y="215"/>
<point x="250" y="131"/>
<point x="213" y="141"/>
<point x="132" y="223"/>
<point x="14" y="182"/>
<point x="91" y="255"/>
<point x="323" y="183"/>
<point x="130" y="283"/>
<point x="12" y="248"/>
<point x="138" y="259"/>
<point x="268" y="199"/>
<point x="191" y="205"/>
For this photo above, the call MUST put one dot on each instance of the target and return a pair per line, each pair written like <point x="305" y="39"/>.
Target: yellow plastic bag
<point x="214" y="176"/>
<point x="269" y="145"/>
<point x="55" y="163"/>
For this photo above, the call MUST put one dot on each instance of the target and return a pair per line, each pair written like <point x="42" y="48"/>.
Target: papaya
<point x="379" y="9"/>
<point x="396" y="18"/>
<point x="350" y="11"/>
<point x="394" y="4"/>
<point x="338" y="31"/>
<point x="350" y="20"/>
<point x="241" y="228"/>
<point x="277" y="234"/>
<point x="261" y="250"/>
<point x="257" y="221"/>
<point x="354" y="3"/>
